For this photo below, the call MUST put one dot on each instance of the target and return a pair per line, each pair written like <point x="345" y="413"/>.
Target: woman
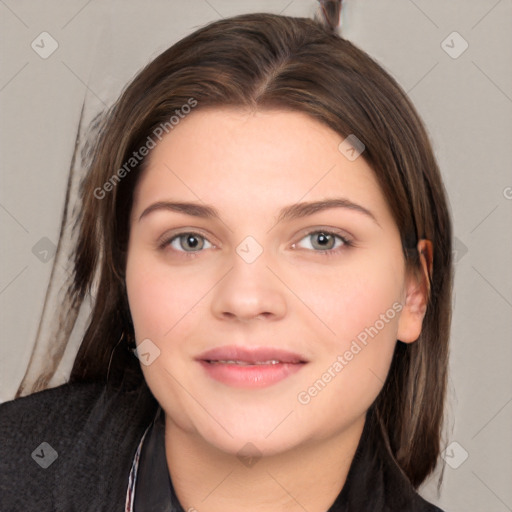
<point x="265" y="227"/>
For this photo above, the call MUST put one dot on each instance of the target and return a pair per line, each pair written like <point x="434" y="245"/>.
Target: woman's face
<point x="259" y="318"/>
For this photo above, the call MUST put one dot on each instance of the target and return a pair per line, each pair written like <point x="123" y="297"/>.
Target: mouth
<point x="250" y="368"/>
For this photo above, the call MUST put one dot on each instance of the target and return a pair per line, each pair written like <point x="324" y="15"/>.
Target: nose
<point x="249" y="291"/>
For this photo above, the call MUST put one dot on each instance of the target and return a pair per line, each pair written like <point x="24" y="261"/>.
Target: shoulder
<point x="74" y="434"/>
<point x="66" y="406"/>
<point x="399" y="492"/>
<point x="53" y="411"/>
<point x="401" y="495"/>
<point x="381" y="472"/>
<point x="67" y="397"/>
<point x="422" y="505"/>
<point x="45" y="415"/>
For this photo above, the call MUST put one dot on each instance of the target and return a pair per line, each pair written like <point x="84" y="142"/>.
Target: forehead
<point x="235" y="158"/>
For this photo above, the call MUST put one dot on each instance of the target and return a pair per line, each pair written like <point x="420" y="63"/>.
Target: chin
<point x="250" y="442"/>
<point x="230" y="429"/>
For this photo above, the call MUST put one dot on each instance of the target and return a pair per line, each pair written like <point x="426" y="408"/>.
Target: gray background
<point x="465" y="100"/>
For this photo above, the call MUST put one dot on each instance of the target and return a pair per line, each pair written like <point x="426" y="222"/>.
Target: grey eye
<point x="189" y="242"/>
<point x="323" y="240"/>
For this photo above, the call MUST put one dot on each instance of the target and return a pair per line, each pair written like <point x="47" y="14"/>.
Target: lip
<point x="250" y="355"/>
<point x="260" y="366"/>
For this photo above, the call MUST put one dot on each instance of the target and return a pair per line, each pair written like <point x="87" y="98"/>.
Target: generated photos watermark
<point x="139" y="155"/>
<point x="342" y="360"/>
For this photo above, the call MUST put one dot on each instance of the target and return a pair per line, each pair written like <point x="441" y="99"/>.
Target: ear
<point x="417" y="292"/>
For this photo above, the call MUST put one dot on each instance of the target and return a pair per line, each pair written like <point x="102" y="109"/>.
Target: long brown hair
<point x="265" y="61"/>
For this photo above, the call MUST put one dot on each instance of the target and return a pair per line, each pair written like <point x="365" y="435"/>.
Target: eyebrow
<point x="294" y="211"/>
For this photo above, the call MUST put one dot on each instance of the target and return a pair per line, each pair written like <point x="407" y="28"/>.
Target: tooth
<point x="244" y="363"/>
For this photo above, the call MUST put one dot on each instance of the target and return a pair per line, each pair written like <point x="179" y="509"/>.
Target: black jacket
<point x="71" y="448"/>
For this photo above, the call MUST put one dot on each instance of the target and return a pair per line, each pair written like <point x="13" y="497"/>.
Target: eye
<point x="187" y="242"/>
<point x="325" y="241"/>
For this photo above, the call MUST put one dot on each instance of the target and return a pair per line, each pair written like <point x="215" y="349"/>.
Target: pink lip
<point x="252" y="375"/>
<point x="249" y="355"/>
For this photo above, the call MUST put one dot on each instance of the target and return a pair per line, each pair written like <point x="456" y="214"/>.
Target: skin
<point x="249" y="165"/>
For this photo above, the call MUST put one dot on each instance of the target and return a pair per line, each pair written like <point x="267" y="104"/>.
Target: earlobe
<point x="417" y="295"/>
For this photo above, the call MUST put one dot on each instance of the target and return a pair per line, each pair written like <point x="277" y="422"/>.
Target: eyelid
<point x="326" y="229"/>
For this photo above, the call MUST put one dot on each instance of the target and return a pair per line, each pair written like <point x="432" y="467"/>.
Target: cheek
<point x="362" y="308"/>
<point x="361" y="305"/>
<point x="164" y="309"/>
<point x="157" y="297"/>
<point x="355" y="298"/>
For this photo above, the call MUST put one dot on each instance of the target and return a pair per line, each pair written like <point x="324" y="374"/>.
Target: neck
<point x="309" y="477"/>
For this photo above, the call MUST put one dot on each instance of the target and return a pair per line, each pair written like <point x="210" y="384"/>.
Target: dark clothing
<point x="72" y="448"/>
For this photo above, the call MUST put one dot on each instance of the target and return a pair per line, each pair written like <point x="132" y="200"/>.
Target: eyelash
<point x="347" y="243"/>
